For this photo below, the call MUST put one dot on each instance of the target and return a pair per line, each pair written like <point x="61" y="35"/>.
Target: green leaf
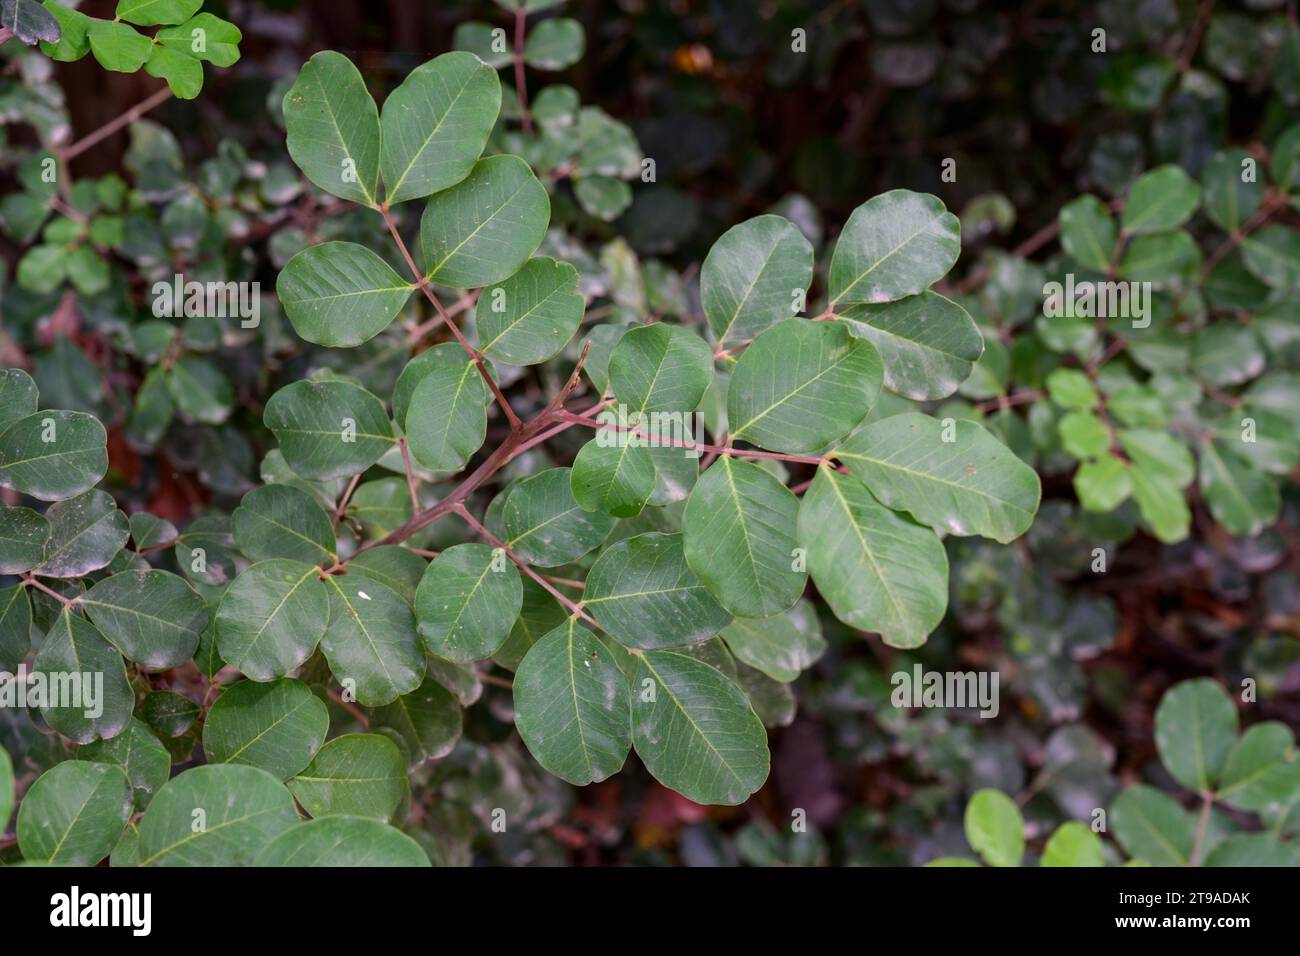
<point x="660" y="368"/>
<point x="801" y="385"/>
<point x="371" y="642"/>
<point x="86" y="533"/>
<point x="878" y="570"/>
<point x="23" y="537"/>
<point x="1161" y="200"/>
<point x="1196" y="726"/>
<point x="206" y="551"/>
<point x="271" y="618"/>
<point x="447" y="420"/>
<point x="1160" y="258"/>
<point x="29" y="21"/>
<point x="894" y="245"/>
<point x="1083" y="435"/>
<point x="1072" y="389"/>
<point x="1073" y="844"/>
<point x="1104" y="484"/>
<point x="43" y="268"/>
<point x="215" y="815"/>
<point x="755" y="275"/>
<point x="117" y="46"/>
<point x="929" y="344"/>
<point x="604" y="197"/>
<point x="280" y="521"/>
<point x="477" y="37"/>
<point x="6" y="789"/>
<point x="360" y="775"/>
<point x="1284" y="159"/>
<point x="1159" y="453"/>
<point x="200" y="392"/>
<point x="614" y="476"/>
<point x="168" y="713"/>
<point x="18" y="396"/>
<point x="277" y="726"/>
<point x="533" y="314"/>
<point x="149" y="532"/>
<point x="435" y="125"/>
<point x="204" y="37"/>
<point x="546" y="526"/>
<point x="73" y="814"/>
<point x="73" y="646"/>
<point x="1243" y="500"/>
<point x="53" y="454"/>
<point x="396" y="567"/>
<point x="428" y="720"/>
<point x="71" y="41"/>
<point x="695" y="730"/>
<point x="1272" y="255"/>
<point x="571" y="706"/>
<point x="183" y="73"/>
<point x="1229" y="200"/>
<point x="1162" y="504"/>
<point x="1253" y="849"/>
<point x="555" y="44"/>
<point x="340" y="294"/>
<point x="1088" y="233"/>
<point x="136" y="750"/>
<point x="641" y="591"/>
<point x="971" y="484"/>
<point x="342" y="841"/>
<point x="483" y="229"/>
<point x="467" y="602"/>
<point x="148" y="13"/>
<point x="153" y="617"/>
<point x="994" y="828"/>
<point x="1227" y="354"/>
<point x="329" y="429"/>
<point x="1152" y="827"/>
<point x="781" y="646"/>
<point x="333" y="128"/>
<point x="739" y="538"/>
<point x="15" y="627"/>
<point x="1260" y="769"/>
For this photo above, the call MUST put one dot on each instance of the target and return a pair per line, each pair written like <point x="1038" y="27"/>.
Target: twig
<point x="350" y="707"/>
<point x="112" y="126"/>
<point x="682" y="443"/>
<point x="1006" y="401"/>
<point x="521" y="564"/>
<point x="1202" y="825"/>
<point x="31" y="581"/>
<point x="422" y="283"/>
<point x="410" y="475"/>
<point x="1194" y="38"/>
<point x="562" y="427"/>
<point x="494" y="463"/>
<point x="343" y="500"/>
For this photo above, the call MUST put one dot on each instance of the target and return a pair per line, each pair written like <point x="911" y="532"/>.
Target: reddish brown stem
<point x="492" y="539"/>
<point x="682" y="443"/>
<point x="410" y="474"/>
<point x="423" y="284"/>
<point x="112" y="126"/>
<point x="29" y="580"/>
<point x="343" y="500"/>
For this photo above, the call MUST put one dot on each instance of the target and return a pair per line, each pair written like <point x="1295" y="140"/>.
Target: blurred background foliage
<point x="739" y="124"/>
